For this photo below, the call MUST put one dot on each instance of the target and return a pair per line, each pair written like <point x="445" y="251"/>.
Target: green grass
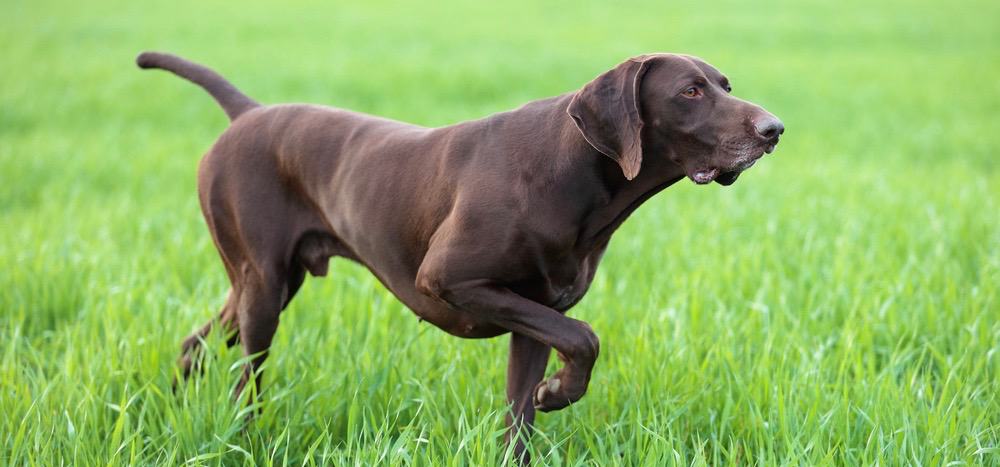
<point x="838" y="305"/>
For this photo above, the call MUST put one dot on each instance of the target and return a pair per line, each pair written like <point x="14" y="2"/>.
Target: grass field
<point x="837" y="306"/>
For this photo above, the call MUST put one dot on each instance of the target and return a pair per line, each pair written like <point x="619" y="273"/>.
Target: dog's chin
<point x="728" y="178"/>
<point x="722" y="177"/>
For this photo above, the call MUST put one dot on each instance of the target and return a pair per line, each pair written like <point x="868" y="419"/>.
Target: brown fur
<point x="481" y="228"/>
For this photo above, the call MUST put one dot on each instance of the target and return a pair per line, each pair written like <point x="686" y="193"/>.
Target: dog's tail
<point x="234" y="102"/>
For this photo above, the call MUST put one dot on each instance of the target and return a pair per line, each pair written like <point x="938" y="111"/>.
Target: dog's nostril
<point x="769" y="127"/>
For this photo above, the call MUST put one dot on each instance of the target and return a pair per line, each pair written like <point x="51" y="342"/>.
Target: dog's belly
<point x="399" y="277"/>
<point x="560" y="293"/>
<point x="561" y="289"/>
<point x="450" y="320"/>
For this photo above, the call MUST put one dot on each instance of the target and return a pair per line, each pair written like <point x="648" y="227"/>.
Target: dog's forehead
<point x="710" y="71"/>
<point x="682" y="62"/>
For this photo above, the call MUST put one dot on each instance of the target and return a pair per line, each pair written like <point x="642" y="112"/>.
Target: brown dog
<point x="481" y="228"/>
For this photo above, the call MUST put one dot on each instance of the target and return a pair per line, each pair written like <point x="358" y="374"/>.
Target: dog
<point x="482" y="228"/>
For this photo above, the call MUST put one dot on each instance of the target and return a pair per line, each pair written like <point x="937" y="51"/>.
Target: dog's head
<point x="682" y="105"/>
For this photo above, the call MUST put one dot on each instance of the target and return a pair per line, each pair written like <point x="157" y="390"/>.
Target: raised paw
<point x="553" y="394"/>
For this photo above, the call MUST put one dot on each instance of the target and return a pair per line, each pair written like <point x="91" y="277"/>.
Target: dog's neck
<point x="619" y="197"/>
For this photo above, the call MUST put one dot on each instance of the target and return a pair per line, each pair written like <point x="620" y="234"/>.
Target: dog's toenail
<point x="541" y="393"/>
<point x="554" y="385"/>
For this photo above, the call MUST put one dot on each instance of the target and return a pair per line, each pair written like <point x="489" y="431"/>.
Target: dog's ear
<point x="607" y="112"/>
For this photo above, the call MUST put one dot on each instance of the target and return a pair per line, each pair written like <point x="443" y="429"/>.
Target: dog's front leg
<point x="525" y="368"/>
<point x="495" y="304"/>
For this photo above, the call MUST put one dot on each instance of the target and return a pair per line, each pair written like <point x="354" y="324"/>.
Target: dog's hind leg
<point x="191" y="347"/>
<point x="261" y="300"/>
<point x="228" y="319"/>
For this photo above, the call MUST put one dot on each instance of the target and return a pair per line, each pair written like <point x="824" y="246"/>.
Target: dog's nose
<point x="769" y="127"/>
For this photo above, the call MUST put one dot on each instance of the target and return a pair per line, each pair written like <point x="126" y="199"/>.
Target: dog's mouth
<point x="728" y="178"/>
<point x="742" y="160"/>
<point x="725" y="178"/>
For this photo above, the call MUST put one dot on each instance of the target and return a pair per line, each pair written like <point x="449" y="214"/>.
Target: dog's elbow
<point x="459" y="294"/>
<point x="429" y="285"/>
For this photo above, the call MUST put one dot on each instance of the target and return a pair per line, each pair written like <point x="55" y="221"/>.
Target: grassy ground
<point x="838" y="305"/>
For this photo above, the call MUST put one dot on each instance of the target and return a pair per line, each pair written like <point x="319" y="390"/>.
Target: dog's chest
<point x="570" y="282"/>
<point x="566" y="297"/>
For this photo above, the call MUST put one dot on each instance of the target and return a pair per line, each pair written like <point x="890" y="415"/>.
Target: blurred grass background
<point x="838" y="305"/>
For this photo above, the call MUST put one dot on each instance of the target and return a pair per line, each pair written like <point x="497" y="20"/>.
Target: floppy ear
<point x="606" y="111"/>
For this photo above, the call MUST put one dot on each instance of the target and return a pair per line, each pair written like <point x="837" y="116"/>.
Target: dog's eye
<point x="691" y="92"/>
<point x="729" y="89"/>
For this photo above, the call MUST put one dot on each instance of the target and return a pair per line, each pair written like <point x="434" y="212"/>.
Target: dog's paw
<point x="551" y="394"/>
